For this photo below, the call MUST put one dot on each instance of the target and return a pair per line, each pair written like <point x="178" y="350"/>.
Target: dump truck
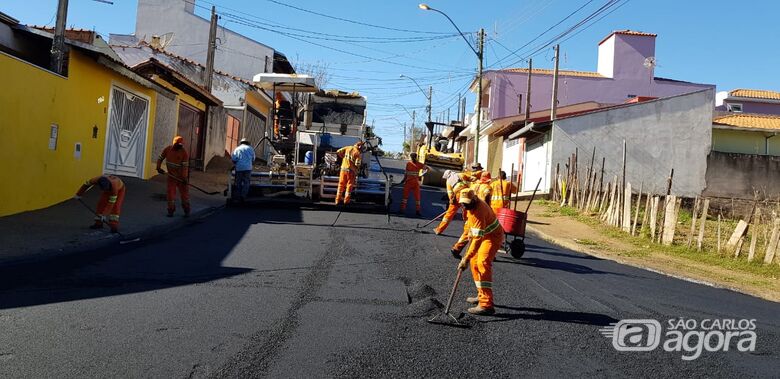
<point x="438" y="151"/>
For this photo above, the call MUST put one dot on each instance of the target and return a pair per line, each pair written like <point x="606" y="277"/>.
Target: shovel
<point x="192" y="185"/>
<point x="446" y="318"/>
<point x="432" y="220"/>
<point x="123" y="240"/>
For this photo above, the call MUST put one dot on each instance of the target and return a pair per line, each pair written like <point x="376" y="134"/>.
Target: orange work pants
<point x="347" y="181"/>
<point x="482" y="266"/>
<point x="414" y="188"/>
<point x="452" y="209"/>
<point x="112" y="209"/>
<point x="184" y="192"/>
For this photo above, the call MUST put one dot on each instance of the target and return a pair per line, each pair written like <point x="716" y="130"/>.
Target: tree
<point x="318" y="70"/>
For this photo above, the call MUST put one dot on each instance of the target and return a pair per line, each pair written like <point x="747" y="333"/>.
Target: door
<point x="536" y="165"/>
<point x="190" y="128"/>
<point x="126" y="138"/>
<point x="231" y="139"/>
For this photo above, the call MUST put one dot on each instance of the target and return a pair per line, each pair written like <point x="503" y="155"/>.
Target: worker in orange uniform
<point x="110" y="203"/>
<point x="502" y="190"/>
<point x="482" y="190"/>
<point x="351" y="160"/>
<point x="486" y="237"/>
<point x="456" y="182"/>
<point x="482" y="187"/>
<point x="414" y="171"/>
<point x="178" y="163"/>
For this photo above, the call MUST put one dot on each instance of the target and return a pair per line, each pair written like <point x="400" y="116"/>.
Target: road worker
<point x="475" y="170"/>
<point x="351" y="160"/>
<point x="482" y="187"/>
<point x="456" y="182"/>
<point x="486" y="237"/>
<point x="243" y="158"/>
<point x="414" y="171"/>
<point x="502" y="189"/>
<point x="110" y="203"/>
<point x="178" y="163"/>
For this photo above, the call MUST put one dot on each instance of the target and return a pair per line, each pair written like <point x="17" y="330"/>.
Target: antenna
<point x="650" y="62"/>
<point x="166" y="40"/>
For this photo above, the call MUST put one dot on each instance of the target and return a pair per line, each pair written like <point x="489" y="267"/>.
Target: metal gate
<point x="128" y="118"/>
<point x="191" y="129"/>
<point x="536" y="165"/>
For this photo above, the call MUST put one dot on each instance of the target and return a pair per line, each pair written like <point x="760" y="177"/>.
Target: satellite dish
<point x="166" y="40"/>
<point x="650" y="62"/>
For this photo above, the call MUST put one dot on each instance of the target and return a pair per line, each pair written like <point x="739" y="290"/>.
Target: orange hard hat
<point x="485" y="177"/>
<point x="179" y="140"/>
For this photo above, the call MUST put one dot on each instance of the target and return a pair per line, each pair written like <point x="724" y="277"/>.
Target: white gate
<point x="126" y="137"/>
<point x="536" y="165"/>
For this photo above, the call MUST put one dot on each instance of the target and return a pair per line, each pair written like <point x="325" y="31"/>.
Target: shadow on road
<point x="557" y="265"/>
<point x="189" y="256"/>
<point x="524" y="313"/>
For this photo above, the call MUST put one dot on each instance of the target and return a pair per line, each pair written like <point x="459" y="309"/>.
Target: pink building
<point x="626" y="69"/>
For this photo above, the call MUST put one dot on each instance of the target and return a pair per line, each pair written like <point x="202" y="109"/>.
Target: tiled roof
<point x="755" y="94"/>
<point x="751" y="121"/>
<point x="540" y="71"/>
<point x="628" y="33"/>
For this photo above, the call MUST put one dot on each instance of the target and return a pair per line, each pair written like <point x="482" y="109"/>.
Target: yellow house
<point x="58" y="130"/>
<point x="743" y="133"/>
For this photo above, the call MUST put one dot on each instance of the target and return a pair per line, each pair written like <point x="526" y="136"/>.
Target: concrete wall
<point x="31" y="100"/>
<point x="739" y="175"/>
<point x="745" y="142"/>
<point x="165" y="124"/>
<point x="214" y="145"/>
<point x="237" y="54"/>
<point x="662" y="134"/>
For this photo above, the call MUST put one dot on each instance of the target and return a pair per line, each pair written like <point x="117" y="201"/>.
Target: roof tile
<point x="538" y="71"/>
<point x="755" y="94"/>
<point x="749" y="121"/>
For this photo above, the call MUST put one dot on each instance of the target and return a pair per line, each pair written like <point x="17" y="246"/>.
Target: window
<point x="736" y="108"/>
<point x="630" y="96"/>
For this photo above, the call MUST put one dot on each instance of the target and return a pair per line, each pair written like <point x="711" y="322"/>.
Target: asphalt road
<point x="260" y="292"/>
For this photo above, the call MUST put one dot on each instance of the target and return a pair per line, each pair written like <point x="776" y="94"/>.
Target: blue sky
<point x="730" y="44"/>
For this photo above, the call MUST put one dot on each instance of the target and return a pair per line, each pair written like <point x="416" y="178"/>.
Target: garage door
<point x="536" y="165"/>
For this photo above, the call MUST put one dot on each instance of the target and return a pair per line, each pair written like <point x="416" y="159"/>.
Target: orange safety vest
<point x="116" y="186"/>
<point x="412" y="173"/>
<point x="500" y="194"/>
<point x="177" y="161"/>
<point x="352" y="158"/>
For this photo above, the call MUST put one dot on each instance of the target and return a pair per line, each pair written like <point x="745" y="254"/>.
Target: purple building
<point x="626" y="67"/>
<point x="748" y="101"/>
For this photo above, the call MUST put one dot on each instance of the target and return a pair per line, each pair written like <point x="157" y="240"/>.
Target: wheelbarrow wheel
<point x="517" y="248"/>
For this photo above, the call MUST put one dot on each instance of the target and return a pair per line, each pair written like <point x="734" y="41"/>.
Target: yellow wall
<point x="258" y="102"/>
<point x="744" y="142"/>
<point x="31" y="99"/>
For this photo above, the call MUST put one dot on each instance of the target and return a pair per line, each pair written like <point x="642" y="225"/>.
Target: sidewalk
<point x="63" y="228"/>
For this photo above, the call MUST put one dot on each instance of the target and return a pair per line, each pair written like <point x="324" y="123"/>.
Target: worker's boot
<point x="418" y="213"/>
<point x="472" y="300"/>
<point x="481" y="311"/>
<point x="97" y="225"/>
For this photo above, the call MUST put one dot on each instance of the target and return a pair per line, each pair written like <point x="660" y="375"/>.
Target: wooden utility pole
<point x="528" y="92"/>
<point x="480" y="56"/>
<point x="554" y="106"/>
<point x="212" y="48"/>
<point x="58" y="42"/>
<point x="430" y="96"/>
<point x="411" y="142"/>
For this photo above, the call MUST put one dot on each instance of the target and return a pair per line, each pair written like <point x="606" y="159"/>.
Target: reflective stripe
<point x="483" y="284"/>
<point x="477" y="232"/>
<point x="505" y="198"/>
<point x="345" y="169"/>
<point x="492" y="227"/>
<point x="113" y="217"/>
<point x="445" y="219"/>
<point x="413" y="173"/>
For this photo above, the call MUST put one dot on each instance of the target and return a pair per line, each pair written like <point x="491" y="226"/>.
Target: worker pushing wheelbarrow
<point x="513" y="222"/>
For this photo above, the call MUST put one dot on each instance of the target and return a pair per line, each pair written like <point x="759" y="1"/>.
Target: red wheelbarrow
<point x="513" y="222"/>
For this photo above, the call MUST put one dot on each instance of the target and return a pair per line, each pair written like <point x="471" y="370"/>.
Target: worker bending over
<point x="486" y="237"/>
<point x="178" y="163"/>
<point x="351" y="160"/>
<point x="414" y="170"/>
<point x="456" y="182"/>
<point x="110" y="203"/>
<point x="501" y="192"/>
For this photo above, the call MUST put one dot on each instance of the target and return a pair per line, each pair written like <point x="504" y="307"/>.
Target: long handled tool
<point x="192" y="185"/>
<point x="432" y="220"/>
<point x="122" y="236"/>
<point x="446" y="318"/>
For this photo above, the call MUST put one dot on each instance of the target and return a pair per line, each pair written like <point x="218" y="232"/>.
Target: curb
<point x="577" y="248"/>
<point x="91" y="246"/>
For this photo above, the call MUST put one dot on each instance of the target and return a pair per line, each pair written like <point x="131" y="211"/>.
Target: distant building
<point x="748" y="101"/>
<point x="174" y="25"/>
<point x="626" y="69"/>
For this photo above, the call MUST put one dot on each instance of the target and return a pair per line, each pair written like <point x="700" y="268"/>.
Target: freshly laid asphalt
<point x="273" y="292"/>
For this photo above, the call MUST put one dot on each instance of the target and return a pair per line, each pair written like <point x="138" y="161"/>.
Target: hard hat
<point x="476" y="166"/>
<point x="104" y="183"/>
<point x="413" y="155"/>
<point x="178" y="140"/>
<point x="244" y="141"/>
<point x="466" y="196"/>
<point x="485" y="177"/>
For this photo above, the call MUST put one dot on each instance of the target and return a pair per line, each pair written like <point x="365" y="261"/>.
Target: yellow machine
<point x="437" y="153"/>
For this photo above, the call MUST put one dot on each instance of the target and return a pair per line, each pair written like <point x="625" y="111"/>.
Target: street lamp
<point x="428" y="96"/>
<point x="479" y="52"/>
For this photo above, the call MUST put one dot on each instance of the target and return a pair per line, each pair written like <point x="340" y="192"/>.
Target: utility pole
<point x="402" y="147"/>
<point x="554" y="108"/>
<point x="430" y="96"/>
<point x="479" y="93"/>
<point x="459" y="106"/>
<point x="209" y="74"/>
<point x="411" y="143"/>
<point x="528" y="92"/>
<point x="58" y="42"/>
